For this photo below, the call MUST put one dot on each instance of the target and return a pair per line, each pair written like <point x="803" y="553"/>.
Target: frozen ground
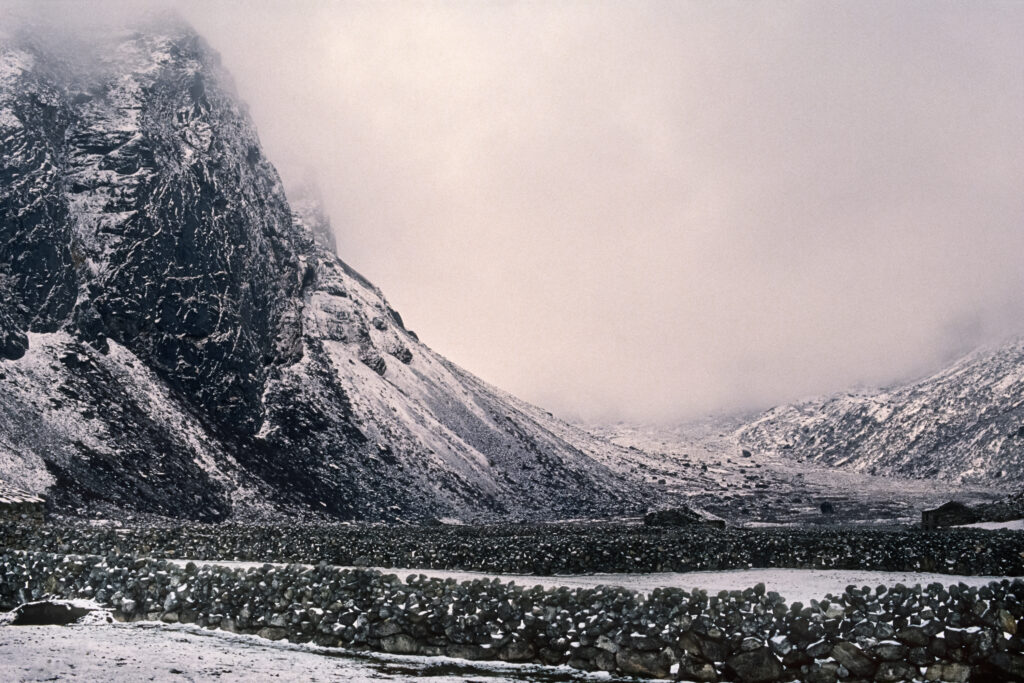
<point x="1015" y="525"/>
<point x="794" y="585"/>
<point x="162" y="652"/>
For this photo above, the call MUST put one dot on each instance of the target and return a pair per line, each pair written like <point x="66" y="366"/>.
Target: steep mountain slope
<point x="180" y="339"/>
<point x="965" y="424"/>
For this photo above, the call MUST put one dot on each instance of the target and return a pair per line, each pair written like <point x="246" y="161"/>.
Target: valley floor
<point x="706" y="465"/>
<point x="794" y="585"/>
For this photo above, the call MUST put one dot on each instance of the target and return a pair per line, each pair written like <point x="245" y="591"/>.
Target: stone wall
<point x="22" y="511"/>
<point x="952" y="633"/>
<point x="548" y="548"/>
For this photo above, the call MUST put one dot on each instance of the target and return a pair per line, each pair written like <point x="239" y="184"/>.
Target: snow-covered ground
<point x="1014" y="525"/>
<point x="794" y="585"/>
<point x="154" y="651"/>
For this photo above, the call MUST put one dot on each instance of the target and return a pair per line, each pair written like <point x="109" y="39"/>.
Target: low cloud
<point x="656" y="210"/>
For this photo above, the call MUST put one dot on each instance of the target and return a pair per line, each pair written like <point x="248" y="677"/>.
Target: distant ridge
<point x="962" y="424"/>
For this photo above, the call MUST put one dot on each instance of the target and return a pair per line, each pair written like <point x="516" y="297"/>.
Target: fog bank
<point x="656" y="210"/>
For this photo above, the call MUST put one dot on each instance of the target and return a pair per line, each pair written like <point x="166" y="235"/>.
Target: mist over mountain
<point x="180" y="337"/>
<point x="656" y="210"/>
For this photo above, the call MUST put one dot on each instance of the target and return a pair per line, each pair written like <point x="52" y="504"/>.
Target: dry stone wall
<point x="546" y="549"/>
<point x="936" y="632"/>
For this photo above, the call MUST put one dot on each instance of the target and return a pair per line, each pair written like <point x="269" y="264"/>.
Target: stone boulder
<point x="854" y="659"/>
<point x="48" y="613"/>
<point x="755" y="666"/>
<point x="650" y="664"/>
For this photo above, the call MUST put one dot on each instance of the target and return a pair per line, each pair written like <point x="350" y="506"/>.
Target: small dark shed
<point x="950" y="514"/>
<point x="18" y="505"/>
<point x="680" y="517"/>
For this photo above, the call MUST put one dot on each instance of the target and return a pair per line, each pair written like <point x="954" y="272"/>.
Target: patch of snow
<point x="794" y="585"/>
<point x="13" y="63"/>
<point x="8" y="120"/>
<point x="104" y="651"/>
<point x="1014" y="525"/>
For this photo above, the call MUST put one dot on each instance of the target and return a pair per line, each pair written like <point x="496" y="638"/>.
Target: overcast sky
<point x="657" y="210"/>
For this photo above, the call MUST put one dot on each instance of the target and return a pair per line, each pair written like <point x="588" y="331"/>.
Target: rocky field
<point x="557" y="548"/>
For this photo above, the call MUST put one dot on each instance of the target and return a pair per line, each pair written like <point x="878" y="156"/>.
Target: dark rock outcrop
<point x="681" y="516"/>
<point x="13" y="340"/>
<point x="48" y="613"/>
<point x="197" y="347"/>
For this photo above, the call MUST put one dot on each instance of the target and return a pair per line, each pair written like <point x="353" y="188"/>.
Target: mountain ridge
<point x="182" y="339"/>
<point x="963" y="423"/>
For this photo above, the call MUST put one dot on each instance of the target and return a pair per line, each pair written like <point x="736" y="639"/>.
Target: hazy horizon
<point x="659" y="210"/>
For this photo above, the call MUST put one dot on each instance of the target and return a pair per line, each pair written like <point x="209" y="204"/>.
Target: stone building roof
<point x="10" y="495"/>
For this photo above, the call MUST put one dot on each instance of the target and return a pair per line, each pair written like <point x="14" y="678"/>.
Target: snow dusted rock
<point x="963" y="424"/>
<point x="854" y="659"/>
<point x="181" y="339"/>
<point x="758" y="665"/>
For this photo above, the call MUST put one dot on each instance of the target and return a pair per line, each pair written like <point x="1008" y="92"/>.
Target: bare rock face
<point x="13" y="340"/>
<point x="179" y="338"/>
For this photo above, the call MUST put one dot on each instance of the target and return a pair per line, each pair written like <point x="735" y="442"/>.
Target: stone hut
<point x="950" y="514"/>
<point x="18" y="505"/>
<point x="680" y="517"/>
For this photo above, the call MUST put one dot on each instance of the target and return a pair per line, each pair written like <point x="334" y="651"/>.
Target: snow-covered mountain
<point x="178" y="337"/>
<point x="963" y="424"/>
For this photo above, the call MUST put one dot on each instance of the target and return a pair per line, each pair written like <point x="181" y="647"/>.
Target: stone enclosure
<point x="20" y="506"/>
<point x="545" y="549"/>
<point x="952" y="633"/>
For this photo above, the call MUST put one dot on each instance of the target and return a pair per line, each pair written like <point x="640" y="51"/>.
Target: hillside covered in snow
<point x="964" y="424"/>
<point x="178" y="336"/>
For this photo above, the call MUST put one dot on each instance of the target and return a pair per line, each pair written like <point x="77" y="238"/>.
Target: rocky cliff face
<point x="179" y="338"/>
<point x="963" y="424"/>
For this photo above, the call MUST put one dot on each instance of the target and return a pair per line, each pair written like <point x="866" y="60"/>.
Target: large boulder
<point x="756" y="666"/>
<point x="48" y="613"/>
<point x="649" y="664"/>
<point x="854" y="659"/>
